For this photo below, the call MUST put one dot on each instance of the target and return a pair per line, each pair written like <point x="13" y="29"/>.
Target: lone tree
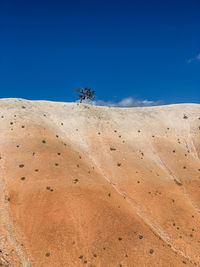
<point x="85" y="93"/>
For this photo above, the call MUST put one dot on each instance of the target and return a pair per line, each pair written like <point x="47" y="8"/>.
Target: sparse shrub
<point x="85" y="93"/>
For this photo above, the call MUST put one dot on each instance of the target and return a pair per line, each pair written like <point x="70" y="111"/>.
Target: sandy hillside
<point x="97" y="186"/>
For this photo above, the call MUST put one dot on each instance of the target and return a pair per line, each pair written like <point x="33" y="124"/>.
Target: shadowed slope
<point x="97" y="186"/>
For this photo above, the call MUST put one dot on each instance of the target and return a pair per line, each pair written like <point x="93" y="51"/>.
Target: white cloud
<point x="190" y="60"/>
<point x="124" y="103"/>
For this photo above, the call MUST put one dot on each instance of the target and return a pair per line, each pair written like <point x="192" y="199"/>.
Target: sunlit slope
<point x="97" y="186"/>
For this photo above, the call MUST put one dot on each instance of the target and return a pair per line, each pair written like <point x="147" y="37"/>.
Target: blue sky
<point x="146" y="50"/>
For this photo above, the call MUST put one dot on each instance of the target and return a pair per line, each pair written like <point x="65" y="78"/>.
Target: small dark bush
<point x="21" y="165"/>
<point x="177" y="182"/>
<point x="151" y="251"/>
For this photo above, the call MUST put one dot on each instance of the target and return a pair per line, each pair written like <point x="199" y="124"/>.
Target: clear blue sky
<point x="141" y="49"/>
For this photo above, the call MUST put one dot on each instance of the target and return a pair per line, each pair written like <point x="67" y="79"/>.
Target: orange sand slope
<point x="97" y="186"/>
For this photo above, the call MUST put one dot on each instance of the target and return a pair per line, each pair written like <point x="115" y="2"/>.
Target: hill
<point x="96" y="186"/>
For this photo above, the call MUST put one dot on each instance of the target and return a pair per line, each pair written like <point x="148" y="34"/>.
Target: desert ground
<point x="82" y="185"/>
